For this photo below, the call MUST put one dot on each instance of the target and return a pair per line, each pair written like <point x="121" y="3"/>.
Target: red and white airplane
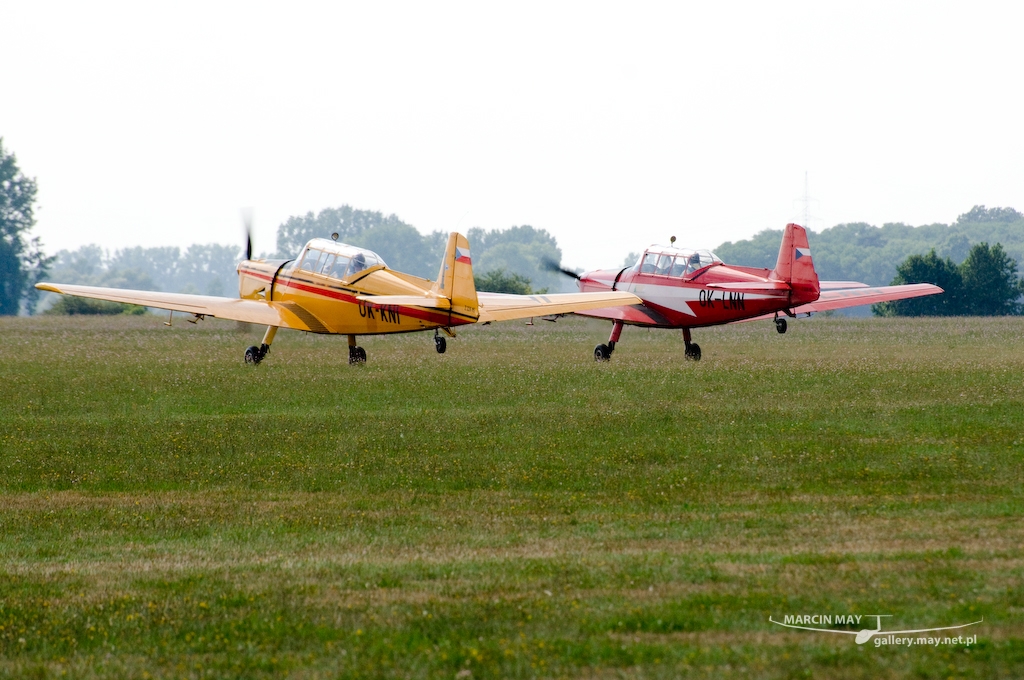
<point x="688" y="289"/>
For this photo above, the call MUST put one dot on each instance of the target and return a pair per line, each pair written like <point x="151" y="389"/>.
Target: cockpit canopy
<point x="669" y="261"/>
<point x="336" y="260"/>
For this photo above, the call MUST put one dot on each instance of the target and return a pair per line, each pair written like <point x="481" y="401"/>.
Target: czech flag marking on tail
<point x="803" y="252"/>
<point x="462" y="255"/>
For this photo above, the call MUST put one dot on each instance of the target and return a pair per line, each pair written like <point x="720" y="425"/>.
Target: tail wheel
<point x="693" y="352"/>
<point x="440" y="344"/>
<point x="780" y="325"/>
<point x="602" y="353"/>
<point x="356" y="355"/>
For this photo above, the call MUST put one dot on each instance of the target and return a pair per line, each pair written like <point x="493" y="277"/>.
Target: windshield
<point x="336" y="260"/>
<point x="662" y="261"/>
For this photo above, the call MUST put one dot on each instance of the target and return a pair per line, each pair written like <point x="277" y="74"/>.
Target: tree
<point x="346" y="221"/>
<point x="71" y="305"/>
<point x="990" y="283"/>
<point x="520" y="250"/>
<point x="985" y="284"/>
<point x="932" y="269"/>
<point x="980" y="213"/>
<point x="22" y="262"/>
<point x="502" y="281"/>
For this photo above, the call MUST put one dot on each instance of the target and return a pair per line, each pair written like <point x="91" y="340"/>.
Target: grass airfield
<point x="511" y="508"/>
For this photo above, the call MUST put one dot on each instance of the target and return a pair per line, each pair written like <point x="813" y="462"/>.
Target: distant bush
<point x="71" y="305"/>
<point x="502" y="281"/>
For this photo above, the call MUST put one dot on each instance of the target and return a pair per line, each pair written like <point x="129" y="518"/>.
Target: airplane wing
<point x="834" y="285"/>
<point x="852" y="297"/>
<point x="504" y="307"/>
<point x="282" y="315"/>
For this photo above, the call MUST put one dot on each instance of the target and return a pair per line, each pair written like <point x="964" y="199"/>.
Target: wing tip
<point x="48" y="287"/>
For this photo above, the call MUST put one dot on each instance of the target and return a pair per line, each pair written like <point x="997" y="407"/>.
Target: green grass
<point x="511" y="508"/>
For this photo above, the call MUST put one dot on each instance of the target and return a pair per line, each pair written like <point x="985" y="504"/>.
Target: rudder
<point x="796" y="267"/>
<point x="455" y="279"/>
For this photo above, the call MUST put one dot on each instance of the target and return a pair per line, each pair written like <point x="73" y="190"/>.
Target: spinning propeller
<point x="247" y="221"/>
<point x="552" y="266"/>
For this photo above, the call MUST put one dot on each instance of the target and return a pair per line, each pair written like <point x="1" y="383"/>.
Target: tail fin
<point x="455" y="279"/>
<point x="796" y="267"/>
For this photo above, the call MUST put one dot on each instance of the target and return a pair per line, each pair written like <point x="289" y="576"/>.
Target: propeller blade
<point x="247" y="220"/>
<point x="553" y="266"/>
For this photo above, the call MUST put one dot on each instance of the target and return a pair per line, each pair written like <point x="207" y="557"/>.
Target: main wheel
<point x="440" y="344"/>
<point x="693" y="352"/>
<point x="356" y="355"/>
<point x="253" y="355"/>
<point x="780" y="325"/>
<point x="602" y="353"/>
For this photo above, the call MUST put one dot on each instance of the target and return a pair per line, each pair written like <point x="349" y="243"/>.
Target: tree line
<point x="862" y="252"/>
<point x="512" y="259"/>
<point x="516" y="254"/>
<point x="978" y="279"/>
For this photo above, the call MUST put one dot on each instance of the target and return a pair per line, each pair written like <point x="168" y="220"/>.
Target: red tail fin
<point x="796" y="267"/>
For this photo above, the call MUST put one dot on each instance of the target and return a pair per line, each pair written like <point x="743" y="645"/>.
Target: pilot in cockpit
<point x="694" y="263"/>
<point x="358" y="263"/>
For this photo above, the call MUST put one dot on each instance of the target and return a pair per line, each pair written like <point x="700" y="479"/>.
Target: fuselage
<point x="689" y="289"/>
<point x="327" y="273"/>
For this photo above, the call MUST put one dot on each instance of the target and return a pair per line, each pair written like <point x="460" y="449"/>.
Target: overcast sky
<point x="611" y="125"/>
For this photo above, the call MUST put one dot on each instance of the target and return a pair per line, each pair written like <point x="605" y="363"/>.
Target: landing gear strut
<point x="604" y="352"/>
<point x="780" y="325"/>
<point x="356" y="355"/>
<point x="254" y="355"/>
<point x="440" y="344"/>
<point x="692" y="352"/>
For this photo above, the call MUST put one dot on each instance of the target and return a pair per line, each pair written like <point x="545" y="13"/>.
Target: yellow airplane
<point x="336" y="288"/>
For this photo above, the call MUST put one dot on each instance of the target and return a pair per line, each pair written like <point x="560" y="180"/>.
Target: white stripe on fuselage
<point x="677" y="297"/>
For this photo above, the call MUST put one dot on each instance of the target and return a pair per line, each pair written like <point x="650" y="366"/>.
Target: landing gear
<point x="692" y="352"/>
<point x="604" y="352"/>
<point x="254" y="355"/>
<point x="356" y="355"/>
<point x="440" y="344"/>
<point x="780" y="325"/>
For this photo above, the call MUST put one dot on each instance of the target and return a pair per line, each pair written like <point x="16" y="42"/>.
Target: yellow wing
<point x="283" y="315"/>
<point x="503" y="307"/>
